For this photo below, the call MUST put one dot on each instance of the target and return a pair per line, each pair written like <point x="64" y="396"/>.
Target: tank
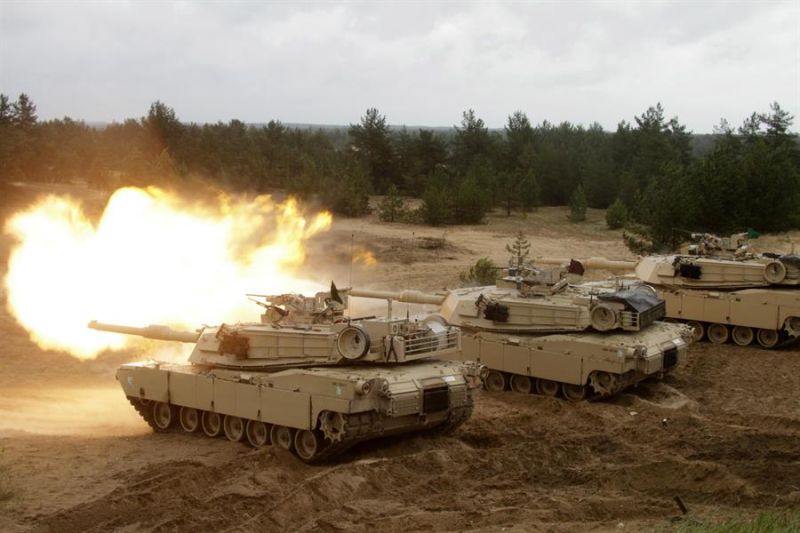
<point x="722" y="290"/>
<point x="305" y="378"/>
<point x="579" y="342"/>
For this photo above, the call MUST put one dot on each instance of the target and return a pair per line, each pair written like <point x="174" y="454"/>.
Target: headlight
<point x="363" y="387"/>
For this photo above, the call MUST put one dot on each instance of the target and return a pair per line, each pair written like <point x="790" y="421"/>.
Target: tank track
<point x="592" y="392"/>
<point x="144" y="408"/>
<point x="360" y="427"/>
<point x="458" y="416"/>
<point x="784" y="338"/>
<point x="331" y="451"/>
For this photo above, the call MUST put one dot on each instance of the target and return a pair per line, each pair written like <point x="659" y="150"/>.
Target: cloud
<point x="419" y="63"/>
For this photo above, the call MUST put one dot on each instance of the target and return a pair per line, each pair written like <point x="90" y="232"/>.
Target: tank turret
<point x="305" y="377"/>
<point x="712" y="272"/>
<point x="516" y="306"/>
<point x="299" y="330"/>
<point x="711" y="265"/>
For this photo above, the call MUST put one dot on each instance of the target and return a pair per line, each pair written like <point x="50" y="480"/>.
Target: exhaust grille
<point x="435" y="399"/>
<point x="670" y="358"/>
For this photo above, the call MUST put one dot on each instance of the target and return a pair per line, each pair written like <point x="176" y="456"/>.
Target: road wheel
<point x="698" y="328"/>
<point x="163" y="416"/>
<point x="190" y="419"/>
<point x="521" y="384"/>
<point x="768" y="338"/>
<point x="307" y="445"/>
<point x="547" y="387"/>
<point x="573" y="393"/>
<point x="211" y="424"/>
<point x="234" y="428"/>
<point x="495" y="381"/>
<point x="718" y="333"/>
<point x="742" y="335"/>
<point x="257" y="433"/>
<point x="282" y="436"/>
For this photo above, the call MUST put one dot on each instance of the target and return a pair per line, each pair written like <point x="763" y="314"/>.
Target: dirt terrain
<point x="722" y="432"/>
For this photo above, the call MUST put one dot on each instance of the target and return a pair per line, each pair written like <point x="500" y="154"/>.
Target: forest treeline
<point x="645" y="170"/>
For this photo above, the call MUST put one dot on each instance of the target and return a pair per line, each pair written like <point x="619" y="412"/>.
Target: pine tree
<point x="530" y="192"/>
<point x="371" y="145"/>
<point x="6" y="111"/>
<point x="469" y="204"/>
<point x="577" y="205"/>
<point x="435" y="205"/>
<point x="24" y="112"/>
<point x="617" y="214"/>
<point x="472" y="144"/>
<point x="519" y="249"/>
<point x="392" y="207"/>
<point x="8" y="139"/>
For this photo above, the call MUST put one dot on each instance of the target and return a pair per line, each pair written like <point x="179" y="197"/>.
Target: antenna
<point x="408" y="273"/>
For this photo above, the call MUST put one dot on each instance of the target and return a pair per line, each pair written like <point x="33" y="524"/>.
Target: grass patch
<point x="766" y="522"/>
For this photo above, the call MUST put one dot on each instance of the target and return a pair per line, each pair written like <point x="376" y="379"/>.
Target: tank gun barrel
<point x="591" y="262"/>
<point x="411" y="297"/>
<point x="157" y="332"/>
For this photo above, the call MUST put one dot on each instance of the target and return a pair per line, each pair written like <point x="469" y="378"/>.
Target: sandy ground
<point x="76" y="458"/>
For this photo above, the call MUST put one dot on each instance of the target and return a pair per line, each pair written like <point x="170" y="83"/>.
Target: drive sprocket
<point x="333" y="425"/>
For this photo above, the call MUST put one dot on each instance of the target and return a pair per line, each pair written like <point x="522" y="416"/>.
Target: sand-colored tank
<point x="305" y="378"/>
<point x="557" y="339"/>
<point x="741" y="297"/>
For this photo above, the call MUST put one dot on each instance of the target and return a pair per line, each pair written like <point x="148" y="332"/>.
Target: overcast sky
<point x="418" y="63"/>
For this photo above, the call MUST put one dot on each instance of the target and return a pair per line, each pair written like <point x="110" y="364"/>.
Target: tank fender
<point x="668" y="355"/>
<point x="144" y="381"/>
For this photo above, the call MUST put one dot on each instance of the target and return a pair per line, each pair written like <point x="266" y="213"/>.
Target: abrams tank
<point x="554" y="339"/>
<point x="736" y="296"/>
<point x="305" y="378"/>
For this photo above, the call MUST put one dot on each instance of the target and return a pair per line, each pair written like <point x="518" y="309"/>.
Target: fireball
<point x="151" y="258"/>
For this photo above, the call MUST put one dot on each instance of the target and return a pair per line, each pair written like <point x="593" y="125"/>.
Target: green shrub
<point x="577" y="205"/>
<point x="766" y="522"/>
<point x="346" y="194"/>
<point x="617" y="215"/>
<point x="483" y="272"/>
<point x="435" y="208"/>
<point x="392" y="208"/>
